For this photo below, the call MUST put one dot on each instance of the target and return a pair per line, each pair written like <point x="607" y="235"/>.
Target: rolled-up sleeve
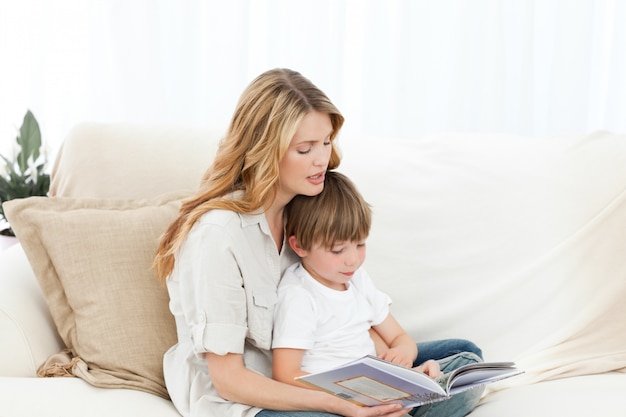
<point x="222" y="295"/>
<point x="212" y="291"/>
<point x="223" y="287"/>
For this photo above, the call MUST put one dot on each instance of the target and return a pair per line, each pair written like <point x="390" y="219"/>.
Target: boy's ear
<point x="293" y="243"/>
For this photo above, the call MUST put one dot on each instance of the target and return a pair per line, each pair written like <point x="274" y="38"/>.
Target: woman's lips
<point x="316" y="179"/>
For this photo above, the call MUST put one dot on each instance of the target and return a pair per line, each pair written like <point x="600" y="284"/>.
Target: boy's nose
<point x="351" y="257"/>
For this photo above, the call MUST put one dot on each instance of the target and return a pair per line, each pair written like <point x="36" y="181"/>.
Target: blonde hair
<point x="265" y="120"/>
<point x="338" y="214"/>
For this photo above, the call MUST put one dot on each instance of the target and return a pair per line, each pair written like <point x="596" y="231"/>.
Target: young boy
<point x="327" y="304"/>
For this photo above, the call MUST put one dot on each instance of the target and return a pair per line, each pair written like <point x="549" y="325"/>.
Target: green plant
<point x="23" y="175"/>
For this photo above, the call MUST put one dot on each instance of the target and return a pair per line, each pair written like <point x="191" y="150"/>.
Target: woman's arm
<point x="234" y="382"/>
<point x="402" y="349"/>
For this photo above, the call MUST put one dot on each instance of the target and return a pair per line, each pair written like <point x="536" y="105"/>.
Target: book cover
<point x="372" y="381"/>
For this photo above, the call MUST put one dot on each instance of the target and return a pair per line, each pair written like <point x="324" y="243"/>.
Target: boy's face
<point x="335" y="266"/>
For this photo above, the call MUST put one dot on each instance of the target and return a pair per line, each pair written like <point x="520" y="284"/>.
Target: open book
<point x="372" y="381"/>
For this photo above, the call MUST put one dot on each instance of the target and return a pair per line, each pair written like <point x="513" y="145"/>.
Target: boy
<point x="327" y="303"/>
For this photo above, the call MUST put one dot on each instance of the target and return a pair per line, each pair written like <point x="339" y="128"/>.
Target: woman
<point x="223" y="257"/>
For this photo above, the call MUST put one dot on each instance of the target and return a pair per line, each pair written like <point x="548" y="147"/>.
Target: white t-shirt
<point x="222" y="294"/>
<point x="330" y="325"/>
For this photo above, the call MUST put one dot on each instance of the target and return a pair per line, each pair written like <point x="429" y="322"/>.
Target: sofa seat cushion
<point x="590" y="395"/>
<point x="93" y="261"/>
<point x="72" y="397"/>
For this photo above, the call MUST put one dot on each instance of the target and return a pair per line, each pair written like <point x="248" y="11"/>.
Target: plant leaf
<point x="29" y="140"/>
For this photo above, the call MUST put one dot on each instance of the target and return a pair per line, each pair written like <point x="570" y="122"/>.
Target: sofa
<point x="516" y="243"/>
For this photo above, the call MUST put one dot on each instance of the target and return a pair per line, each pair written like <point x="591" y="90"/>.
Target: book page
<point x="373" y="389"/>
<point x="479" y="374"/>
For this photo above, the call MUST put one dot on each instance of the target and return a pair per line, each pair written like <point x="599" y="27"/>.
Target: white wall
<point x="395" y="68"/>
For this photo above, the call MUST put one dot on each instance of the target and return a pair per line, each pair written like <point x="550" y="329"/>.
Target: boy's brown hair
<point x="337" y="214"/>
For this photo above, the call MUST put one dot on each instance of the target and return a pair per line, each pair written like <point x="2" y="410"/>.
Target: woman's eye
<point x="304" y="151"/>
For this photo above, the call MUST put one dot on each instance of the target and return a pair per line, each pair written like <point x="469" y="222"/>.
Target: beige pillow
<point x="93" y="261"/>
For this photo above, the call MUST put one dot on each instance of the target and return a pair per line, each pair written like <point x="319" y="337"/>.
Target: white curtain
<point x="401" y="68"/>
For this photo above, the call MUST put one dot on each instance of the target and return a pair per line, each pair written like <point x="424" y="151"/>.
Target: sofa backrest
<point x="125" y="161"/>
<point x="516" y="243"/>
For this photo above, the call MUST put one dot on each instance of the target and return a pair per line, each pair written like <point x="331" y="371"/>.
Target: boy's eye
<point x="336" y="251"/>
<point x="361" y="245"/>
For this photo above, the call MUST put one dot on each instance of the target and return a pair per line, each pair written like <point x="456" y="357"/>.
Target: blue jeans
<point x="439" y="349"/>
<point x="460" y="404"/>
<point x="451" y="353"/>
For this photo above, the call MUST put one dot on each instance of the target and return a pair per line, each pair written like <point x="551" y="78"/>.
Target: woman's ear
<point x="295" y="246"/>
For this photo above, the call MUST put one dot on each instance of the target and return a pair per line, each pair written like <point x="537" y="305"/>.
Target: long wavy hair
<point x="265" y="120"/>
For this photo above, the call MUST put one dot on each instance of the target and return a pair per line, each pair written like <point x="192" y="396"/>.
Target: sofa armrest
<point x="27" y="333"/>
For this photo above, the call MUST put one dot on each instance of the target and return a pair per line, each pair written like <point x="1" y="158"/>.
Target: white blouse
<point x="222" y="294"/>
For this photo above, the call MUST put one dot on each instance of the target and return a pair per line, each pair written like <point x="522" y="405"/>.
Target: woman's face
<point x="303" y="167"/>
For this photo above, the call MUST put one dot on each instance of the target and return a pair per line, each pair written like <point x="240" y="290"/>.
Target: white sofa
<point x="516" y="243"/>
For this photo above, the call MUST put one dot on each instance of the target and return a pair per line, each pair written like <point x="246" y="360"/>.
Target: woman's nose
<point x="322" y="156"/>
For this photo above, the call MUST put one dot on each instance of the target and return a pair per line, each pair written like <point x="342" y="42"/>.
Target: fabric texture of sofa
<point x="516" y="243"/>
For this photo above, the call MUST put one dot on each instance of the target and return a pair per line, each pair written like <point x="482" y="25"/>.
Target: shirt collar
<point x="252" y="219"/>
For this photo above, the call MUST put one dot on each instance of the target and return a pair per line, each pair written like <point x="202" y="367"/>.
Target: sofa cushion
<point x="578" y="396"/>
<point x="72" y="397"/>
<point x="93" y="260"/>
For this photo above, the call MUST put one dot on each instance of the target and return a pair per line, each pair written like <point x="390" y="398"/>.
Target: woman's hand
<point x="391" y="410"/>
<point x="430" y="368"/>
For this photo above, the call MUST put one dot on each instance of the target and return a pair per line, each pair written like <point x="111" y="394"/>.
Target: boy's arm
<point x="286" y="366"/>
<point x="402" y="348"/>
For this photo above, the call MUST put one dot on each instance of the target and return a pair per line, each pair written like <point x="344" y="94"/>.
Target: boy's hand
<point x="398" y="356"/>
<point x="430" y="368"/>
